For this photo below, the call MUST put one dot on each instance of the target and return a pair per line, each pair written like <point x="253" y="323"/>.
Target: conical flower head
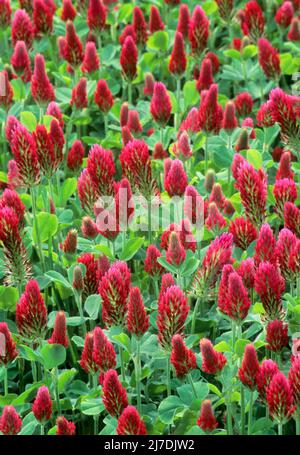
<point x="75" y="156"/>
<point x="238" y="302"/>
<point x="101" y="168"/>
<point x="21" y="62"/>
<point x="243" y="231"/>
<point x="10" y="421"/>
<point x="246" y="270"/>
<point x="96" y="15"/>
<point x="177" y="64"/>
<point x="280" y="398"/>
<point x="207" y="421"/>
<point x="65" y="427"/>
<point x="210" y="112"/>
<point x="103" y="97"/>
<point x="284" y="14"/>
<point x="267" y="370"/>
<point x="129" y="58"/>
<point x="277" y="335"/>
<point x="139" y="25"/>
<point x="269" y="59"/>
<point x="103" y="354"/>
<point x="41" y="88"/>
<point x="130" y="423"/>
<point x="79" y="94"/>
<point x="292" y="218"/>
<point x="175" y="253"/>
<point x="175" y="178"/>
<point x="229" y="120"/>
<point x="31" y="312"/>
<point x="68" y="11"/>
<point x="42" y="406"/>
<point x="265" y="246"/>
<point x="205" y="79"/>
<point x="137" y="319"/>
<point x="286" y="242"/>
<point x="183" y="20"/>
<point x="91" y="61"/>
<point x="172" y="313"/>
<point x="22" y="28"/>
<point x="71" y="46"/>
<point x="59" y="334"/>
<point x="212" y="361"/>
<point x="294" y="380"/>
<point x="160" y="106"/>
<point x="152" y="267"/>
<point x="193" y="206"/>
<point x="253" y="21"/>
<point x="269" y="285"/>
<point x="87" y="362"/>
<point x="42" y="17"/>
<point x="285" y="190"/>
<point x="155" y="21"/>
<point x="114" y="394"/>
<point x="226" y="9"/>
<point x="294" y="31"/>
<point x="249" y="367"/>
<point x="198" y="31"/>
<point x="182" y="358"/>
<point x="5" y="13"/>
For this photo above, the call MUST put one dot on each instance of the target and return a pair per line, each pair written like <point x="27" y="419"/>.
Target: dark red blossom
<point x="269" y="285"/>
<point x="175" y="178"/>
<point x="68" y="11"/>
<point x="213" y="362"/>
<point x="114" y="394"/>
<point x="252" y="20"/>
<point x="294" y="31"/>
<point x="6" y="94"/>
<point x="244" y="104"/>
<point x="238" y="303"/>
<point x="292" y="218"/>
<point x="178" y="61"/>
<point x="183" y="20"/>
<point x="223" y="287"/>
<point x="65" y="427"/>
<point x="160" y="106"/>
<point x="129" y="58"/>
<point x="210" y="112"/>
<point x="226" y="9"/>
<point x="175" y="254"/>
<point x="41" y="89"/>
<point x="193" y="206"/>
<point x="284" y="14"/>
<point x="130" y="423"/>
<point x="249" y="368"/>
<point x="21" y="62"/>
<point x="182" y="358"/>
<point x="79" y="94"/>
<point x="128" y="31"/>
<point x="285" y="190"/>
<point x="42" y="17"/>
<point x="101" y="168"/>
<point x="103" y="354"/>
<point x="155" y="21"/>
<point x="5" y="13"/>
<point x="22" y="28"/>
<point x="87" y="362"/>
<point x="277" y="335"/>
<point x="69" y="245"/>
<point x="265" y="246"/>
<point x="91" y="61"/>
<point x="230" y="121"/>
<point x="269" y="59"/>
<point x="54" y="110"/>
<point x="11" y="198"/>
<point x="71" y="47"/>
<point x="103" y="97"/>
<point x="59" y="334"/>
<point x="75" y="156"/>
<point x="214" y="221"/>
<point x="10" y="421"/>
<point x="172" y="313"/>
<point x="137" y="319"/>
<point x="246" y="270"/>
<point x="139" y="25"/>
<point x="285" y="244"/>
<point x="207" y="421"/>
<point x="152" y="267"/>
<point x="198" y="31"/>
<point x="280" y="398"/>
<point x="294" y="380"/>
<point x="205" y="79"/>
<point x="42" y="406"/>
<point x="266" y="371"/>
<point x="96" y="15"/>
<point x="283" y="112"/>
<point x="31" y="312"/>
<point x="243" y="231"/>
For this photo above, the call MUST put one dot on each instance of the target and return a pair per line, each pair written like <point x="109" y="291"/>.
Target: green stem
<point x="78" y="298"/>
<point x="162" y="136"/>
<point x="122" y="364"/>
<point x="5" y="380"/>
<point x="34" y="371"/>
<point x="168" y="372"/>
<point x="42" y="430"/>
<point x="229" y="415"/>
<point x="57" y="392"/>
<point x="138" y="375"/>
<point x="229" y="167"/>
<point x="206" y="154"/>
<point x="149" y="222"/>
<point x="280" y="429"/>
<point x="105" y="124"/>
<point x="194" y="317"/>
<point x="298" y="425"/>
<point x="190" y="379"/>
<point x="250" y="413"/>
<point x="242" y="410"/>
<point x="39" y="244"/>
<point x="177" y="116"/>
<point x="129" y="92"/>
<point x="96" y="417"/>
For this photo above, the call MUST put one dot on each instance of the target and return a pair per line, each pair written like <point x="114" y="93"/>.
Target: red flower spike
<point x="210" y="112"/>
<point x="87" y="362"/>
<point x="207" y="421"/>
<point x="223" y="287"/>
<point x="75" y="156"/>
<point x="137" y="319"/>
<point x="294" y="380"/>
<point x="124" y="114"/>
<point x="243" y="104"/>
<point x="160" y="106"/>
<point x="292" y="218"/>
<point x="284" y="169"/>
<point x="10" y="198"/>
<point x="294" y="31"/>
<point x="96" y="16"/>
<point x="269" y="285"/>
<point x="285" y="190"/>
<point x="128" y="31"/>
<point x="65" y="427"/>
<point x="68" y="11"/>
<point x="21" y="62"/>
<point x="31" y="312"/>
<point x="283" y="112"/>
<point x="129" y="58"/>
<point x="89" y="228"/>
<point x="41" y="88"/>
<point x="277" y="335"/>
<point x="54" y="110"/>
<point x="91" y="61"/>
<point x="79" y="94"/>
<point x="172" y="313"/>
<point x="193" y="206"/>
<point x="213" y="362"/>
<point x="215" y="221"/>
<point x="87" y="191"/>
<point x="10" y="350"/>
<point x="69" y="245"/>
<point x="178" y="61"/>
<point x="104" y="354"/>
<point x="101" y="168"/>
<point x="130" y="423"/>
<point x="265" y="246"/>
<point x="114" y="394"/>
<point x="10" y="421"/>
<point x="22" y="28"/>
<point x="249" y="368"/>
<point x="198" y="31"/>
<point x="226" y="9"/>
<point x="286" y="242"/>
<point x="246" y="270"/>
<point x="139" y="26"/>
<point x="183" y="20"/>
<point x="42" y="406"/>
<point x="175" y="253"/>
<point x="42" y="17"/>
<point x="264" y="116"/>
<point x="280" y="398"/>
<point x="238" y="301"/>
<point x="59" y="334"/>
<point x="253" y="21"/>
<point x="134" y="123"/>
<point x="45" y="150"/>
<point x="71" y="46"/>
<point x="175" y="178"/>
<point x="229" y="120"/>
<point x="205" y="79"/>
<point x="114" y="290"/>
<point x="5" y="13"/>
<point x="182" y="358"/>
<point x="152" y="267"/>
<point x="103" y="97"/>
<point x="166" y="282"/>
<point x="155" y="22"/>
<point x="243" y="232"/>
<point x="268" y="58"/>
<point x="217" y="196"/>
<point x="265" y="373"/>
<point x="284" y="14"/>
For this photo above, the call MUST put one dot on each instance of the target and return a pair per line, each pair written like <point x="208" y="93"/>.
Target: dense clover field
<point x="149" y="217"/>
